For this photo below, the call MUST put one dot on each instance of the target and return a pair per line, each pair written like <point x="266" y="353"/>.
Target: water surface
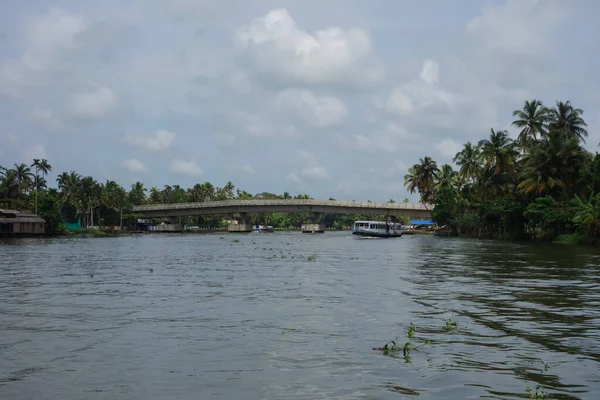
<point x="293" y="316"/>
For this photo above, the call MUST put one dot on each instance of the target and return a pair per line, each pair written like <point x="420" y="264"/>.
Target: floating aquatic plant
<point x="450" y="324"/>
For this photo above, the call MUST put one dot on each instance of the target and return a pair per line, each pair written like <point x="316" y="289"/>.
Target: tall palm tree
<point x="411" y="178"/>
<point x="498" y="152"/>
<point x="421" y="177"/>
<point x="566" y="118"/>
<point x="24" y="177"/>
<point x="552" y="166"/>
<point x="137" y="194"/>
<point x="532" y="120"/>
<point x="68" y="183"/>
<point x="468" y="162"/>
<point x="447" y="177"/>
<point x="9" y="187"/>
<point x="43" y="167"/>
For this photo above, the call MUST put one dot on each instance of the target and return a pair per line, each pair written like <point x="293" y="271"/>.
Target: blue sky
<point x="332" y="98"/>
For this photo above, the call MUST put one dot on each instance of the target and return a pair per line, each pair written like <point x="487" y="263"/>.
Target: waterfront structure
<point x="239" y="209"/>
<point x="15" y="222"/>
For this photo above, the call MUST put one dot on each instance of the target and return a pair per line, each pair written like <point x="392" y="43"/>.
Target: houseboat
<point x="262" y="229"/>
<point x="377" y="229"/>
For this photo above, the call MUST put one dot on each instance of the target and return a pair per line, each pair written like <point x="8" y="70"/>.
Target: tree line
<point x="543" y="184"/>
<point x="82" y="198"/>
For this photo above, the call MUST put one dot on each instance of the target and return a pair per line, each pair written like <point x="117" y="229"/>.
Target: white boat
<point x="377" y="229"/>
<point x="261" y="229"/>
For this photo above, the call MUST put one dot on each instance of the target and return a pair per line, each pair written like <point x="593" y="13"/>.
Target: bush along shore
<point x="542" y="185"/>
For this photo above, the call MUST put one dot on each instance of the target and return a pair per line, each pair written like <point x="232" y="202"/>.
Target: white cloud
<point x="93" y="104"/>
<point x="309" y="169"/>
<point x="189" y="168"/>
<point x="47" y="118"/>
<point x="333" y="55"/>
<point x="320" y="112"/>
<point x="35" y="151"/>
<point x="158" y="141"/>
<point x="264" y="127"/>
<point x="134" y="165"/>
<point x="46" y="38"/>
<point x="419" y="93"/>
<point x="448" y="148"/>
<point x="391" y="139"/>
<point x="518" y="26"/>
<point x="239" y="82"/>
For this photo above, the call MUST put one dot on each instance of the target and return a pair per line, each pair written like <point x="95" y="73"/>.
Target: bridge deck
<point x="285" y="206"/>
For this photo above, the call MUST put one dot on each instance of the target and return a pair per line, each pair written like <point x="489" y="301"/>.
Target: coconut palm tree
<point x="421" y="177"/>
<point x="566" y="118"/>
<point x="24" y="177"/>
<point x="468" y="162"/>
<point x="552" y="166"/>
<point x="137" y="194"/>
<point x="498" y="152"/>
<point x="447" y="177"/>
<point x="532" y="120"/>
<point x="43" y="167"/>
<point x="411" y="179"/>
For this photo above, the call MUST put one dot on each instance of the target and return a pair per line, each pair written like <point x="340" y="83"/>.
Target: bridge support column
<point x="242" y="225"/>
<point x="311" y="226"/>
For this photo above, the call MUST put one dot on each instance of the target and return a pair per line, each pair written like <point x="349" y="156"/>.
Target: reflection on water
<point x="295" y="316"/>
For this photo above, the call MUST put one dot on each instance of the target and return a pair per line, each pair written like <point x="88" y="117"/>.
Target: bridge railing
<point x="293" y="202"/>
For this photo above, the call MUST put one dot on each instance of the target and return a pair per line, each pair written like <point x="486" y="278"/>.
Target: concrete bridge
<point x="313" y="208"/>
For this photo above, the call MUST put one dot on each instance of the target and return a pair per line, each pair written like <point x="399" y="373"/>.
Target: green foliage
<point x="550" y="215"/>
<point x="49" y="209"/>
<point x="522" y="188"/>
<point x="587" y="215"/>
<point x="446" y="206"/>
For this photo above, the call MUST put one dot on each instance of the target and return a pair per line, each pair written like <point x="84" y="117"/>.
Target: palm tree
<point x="137" y="194"/>
<point x="566" y="118"/>
<point x="24" y="177"/>
<point x="468" y="162"/>
<point x="552" y="166"/>
<point x="411" y="178"/>
<point x="9" y="186"/>
<point x="498" y="152"/>
<point x="447" y="177"/>
<point x="44" y="167"/>
<point x="428" y="171"/>
<point x="68" y="183"/>
<point x="532" y="120"/>
<point x="421" y="177"/>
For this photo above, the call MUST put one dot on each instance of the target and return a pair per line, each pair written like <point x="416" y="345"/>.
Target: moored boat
<point x="377" y="229"/>
<point x="261" y="229"/>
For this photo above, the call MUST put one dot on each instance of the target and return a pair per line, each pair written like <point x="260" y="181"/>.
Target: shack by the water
<point x="15" y="222"/>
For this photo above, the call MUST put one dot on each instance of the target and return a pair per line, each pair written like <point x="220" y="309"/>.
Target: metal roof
<point x="421" y="222"/>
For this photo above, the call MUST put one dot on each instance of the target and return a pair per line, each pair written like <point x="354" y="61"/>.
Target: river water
<point x="293" y="316"/>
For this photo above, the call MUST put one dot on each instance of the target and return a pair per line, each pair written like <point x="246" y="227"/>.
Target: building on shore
<point x="15" y="222"/>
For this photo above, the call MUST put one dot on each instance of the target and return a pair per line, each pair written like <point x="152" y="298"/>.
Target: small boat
<point x="261" y="229"/>
<point x="377" y="229"/>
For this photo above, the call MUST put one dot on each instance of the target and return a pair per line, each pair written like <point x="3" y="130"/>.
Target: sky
<point x="334" y="98"/>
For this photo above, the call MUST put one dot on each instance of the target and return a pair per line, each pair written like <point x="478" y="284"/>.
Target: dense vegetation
<point x="543" y="184"/>
<point x="82" y="198"/>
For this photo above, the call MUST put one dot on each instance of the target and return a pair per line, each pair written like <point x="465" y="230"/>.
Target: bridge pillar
<point x="242" y="224"/>
<point x="311" y="226"/>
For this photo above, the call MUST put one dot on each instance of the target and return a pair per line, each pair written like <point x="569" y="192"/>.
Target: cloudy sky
<point x="334" y="98"/>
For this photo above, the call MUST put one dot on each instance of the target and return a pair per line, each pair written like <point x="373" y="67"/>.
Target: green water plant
<point x="537" y="394"/>
<point x="450" y="325"/>
<point x="393" y="346"/>
<point x="311" y="258"/>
